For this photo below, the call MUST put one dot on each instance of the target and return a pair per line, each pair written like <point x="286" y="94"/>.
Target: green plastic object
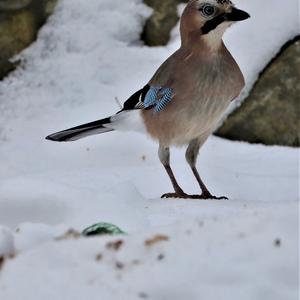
<point x="102" y="229"/>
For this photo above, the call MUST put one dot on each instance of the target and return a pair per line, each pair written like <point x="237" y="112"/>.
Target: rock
<point x="158" y="27"/>
<point x="49" y="6"/>
<point x="7" y="5"/>
<point x="20" y="21"/>
<point x="271" y="113"/>
<point x="17" y="31"/>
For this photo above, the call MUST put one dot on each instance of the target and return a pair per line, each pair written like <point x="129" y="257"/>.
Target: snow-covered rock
<point x="272" y="109"/>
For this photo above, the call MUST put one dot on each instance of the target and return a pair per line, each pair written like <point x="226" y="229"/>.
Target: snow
<point x="7" y="246"/>
<point x="86" y="55"/>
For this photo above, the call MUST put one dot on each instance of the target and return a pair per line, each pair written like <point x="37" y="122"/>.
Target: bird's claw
<point x="175" y="195"/>
<point x="208" y="196"/>
<point x="204" y="196"/>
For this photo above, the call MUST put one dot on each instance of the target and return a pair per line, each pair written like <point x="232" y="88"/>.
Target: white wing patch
<point x="128" y="120"/>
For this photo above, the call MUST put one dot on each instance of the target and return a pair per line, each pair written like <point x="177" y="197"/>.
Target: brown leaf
<point x="70" y="234"/>
<point x="156" y="239"/>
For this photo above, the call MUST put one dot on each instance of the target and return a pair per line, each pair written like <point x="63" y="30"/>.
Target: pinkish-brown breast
<point x="203" y="85"/>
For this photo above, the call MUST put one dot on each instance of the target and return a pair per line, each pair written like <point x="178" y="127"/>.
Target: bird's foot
<point x="208" y="196"/>
<point x="203" y="196"/>
<point x="175" y="195"/>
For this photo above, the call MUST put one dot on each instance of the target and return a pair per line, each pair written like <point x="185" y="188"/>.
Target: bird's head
<point x="209" y="19"/>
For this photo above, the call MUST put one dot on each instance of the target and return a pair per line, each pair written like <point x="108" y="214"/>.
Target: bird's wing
<point x="150" y="97"/>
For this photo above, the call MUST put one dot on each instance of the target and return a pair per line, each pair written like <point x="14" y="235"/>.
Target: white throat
<point x="214" y="38"/>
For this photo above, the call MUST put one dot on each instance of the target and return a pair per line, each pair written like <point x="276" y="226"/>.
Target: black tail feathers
<point x="80" y="132"/>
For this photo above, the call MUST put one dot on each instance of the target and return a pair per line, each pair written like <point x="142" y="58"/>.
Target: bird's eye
<point x="207" y="10"/>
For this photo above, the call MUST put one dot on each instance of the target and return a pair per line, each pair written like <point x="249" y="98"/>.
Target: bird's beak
<point x="236" y="15"/>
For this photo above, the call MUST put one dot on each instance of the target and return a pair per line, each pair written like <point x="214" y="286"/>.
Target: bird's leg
<point x="191" y="157"/>
<point x="164" y="156"/>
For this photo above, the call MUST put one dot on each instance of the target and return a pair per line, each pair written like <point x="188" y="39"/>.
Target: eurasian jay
<point x="188" y="94"/>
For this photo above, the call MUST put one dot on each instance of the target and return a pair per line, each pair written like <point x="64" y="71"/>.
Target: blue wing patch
<point x="158" y="97"/>
<point x="151" y="97"/>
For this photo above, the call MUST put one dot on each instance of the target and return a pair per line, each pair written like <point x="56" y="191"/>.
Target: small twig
<point x="118" y="102"/>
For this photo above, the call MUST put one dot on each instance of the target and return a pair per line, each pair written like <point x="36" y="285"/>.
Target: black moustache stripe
<point x="213" y="23"/>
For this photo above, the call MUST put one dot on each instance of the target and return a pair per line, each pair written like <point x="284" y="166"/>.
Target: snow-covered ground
<point x="88" y="54"/>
